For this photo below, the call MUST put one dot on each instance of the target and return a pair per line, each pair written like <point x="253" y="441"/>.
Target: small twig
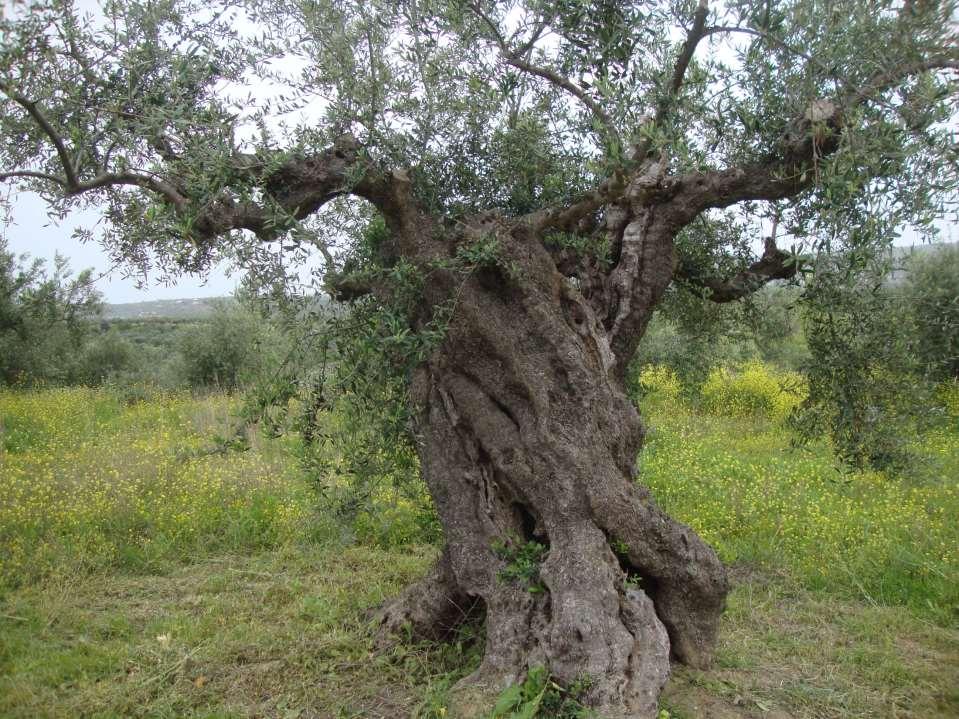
<point x="717" y="29"/>
<point x="172" y="669"/>
<point x="514" y="57"/>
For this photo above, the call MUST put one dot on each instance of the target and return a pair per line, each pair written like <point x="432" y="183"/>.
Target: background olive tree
<point x="932" y="291"/>
<point x="46" y="323"/>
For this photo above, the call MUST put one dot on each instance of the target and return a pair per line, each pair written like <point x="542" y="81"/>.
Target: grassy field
<point x="144" y="574"/>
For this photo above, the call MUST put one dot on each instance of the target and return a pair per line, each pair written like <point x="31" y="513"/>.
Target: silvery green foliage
<point x="865" y="389"/>
<point x="932" y="293"/>
<point x="173" y="92"/>
<point x="46" y="320"/>
<point x="130" y="89"/>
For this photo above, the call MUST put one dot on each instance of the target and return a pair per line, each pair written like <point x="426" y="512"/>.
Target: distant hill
<point x="185" y="309"/>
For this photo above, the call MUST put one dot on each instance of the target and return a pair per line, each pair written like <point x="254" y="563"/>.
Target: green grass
<point x="790" y="652"/>
<point x="145" y="577"/>
<point x="866" y="536"/>
<point x="89" y="482"/>
<point x="282" y="633"/>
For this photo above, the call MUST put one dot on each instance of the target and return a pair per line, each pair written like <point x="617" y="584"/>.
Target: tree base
<point x="620" y="655"/>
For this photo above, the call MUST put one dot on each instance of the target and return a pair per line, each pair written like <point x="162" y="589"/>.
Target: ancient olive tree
<point x="541" y="173"/>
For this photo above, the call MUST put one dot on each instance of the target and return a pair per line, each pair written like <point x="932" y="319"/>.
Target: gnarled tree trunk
<point x="525" y="432"/>
<point x="526" y="435"/>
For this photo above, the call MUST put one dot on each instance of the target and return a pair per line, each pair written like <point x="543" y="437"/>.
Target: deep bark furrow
<point x="637" y="284"/>
<point x="649" y="662"/>
<point x="689" y="583"/>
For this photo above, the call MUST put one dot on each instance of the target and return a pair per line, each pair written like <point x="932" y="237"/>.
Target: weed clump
<point x="522" y="563"/>
<point x="539" y="696"/>
<point x="660" y="381"/>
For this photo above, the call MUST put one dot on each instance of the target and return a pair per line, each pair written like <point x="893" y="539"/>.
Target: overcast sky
<point x="34" y="233"/>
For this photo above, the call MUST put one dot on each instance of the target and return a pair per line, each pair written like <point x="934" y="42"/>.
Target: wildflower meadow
<point x="149" y="568"/>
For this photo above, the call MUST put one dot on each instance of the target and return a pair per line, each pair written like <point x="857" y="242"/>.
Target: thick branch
<point x="662" y="206"/>
<point x="133" y="179"/>
<point x="773" y="265"/>
<point x="297" y="188"/>
<point x="33" y="174"/>
<point x="791" y="168"/>
<point x="657" y="213"/>
<point x="347" y="286"/>
<point x="38" y="117"/>
<point x="696" y="33"/>
<point x="566" y="217"/>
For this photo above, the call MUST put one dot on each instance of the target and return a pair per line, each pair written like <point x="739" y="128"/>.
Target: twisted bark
<point x="526" y="435"/>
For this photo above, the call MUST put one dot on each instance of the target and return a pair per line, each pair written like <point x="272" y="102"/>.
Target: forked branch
<point x="292" y="190"/>
<point x="774" y="264"/>
<point x="70" y="182"/>
<point x="789" y="169"/>
<point x="518" y="58"/>
<point x="694" y="36"/>
<point x="66" y="162"/>
<point x="565" y="217"/>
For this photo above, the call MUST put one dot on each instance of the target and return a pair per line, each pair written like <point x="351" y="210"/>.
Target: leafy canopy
<point x="157" y="109"/>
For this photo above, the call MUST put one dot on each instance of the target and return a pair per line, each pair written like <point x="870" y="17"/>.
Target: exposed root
<point x="585" y="627"/>
<point x="624" y="670"/>
<point x="430" y="609"/>
<point x="649" y="662"/>
<point x="682" y="574"/>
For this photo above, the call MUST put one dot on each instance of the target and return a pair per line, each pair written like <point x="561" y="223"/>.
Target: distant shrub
<point x="931" y="290"/>
<point x="754" y="389"/>
<point x="232" y="349"/>
<point x="659" y="380"/>
<point x="103" y="357"/>
<point x="45" y="319"/>
<point x="772" y="317"/>
<point x="695" y="348"/>
<point x="392" y="520"/>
